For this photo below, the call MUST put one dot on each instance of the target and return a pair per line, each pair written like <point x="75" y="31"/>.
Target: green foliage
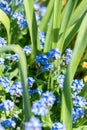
<point x="32" y="25"/>
<point x="4" y="19"/>
<point x="23" y="73"/>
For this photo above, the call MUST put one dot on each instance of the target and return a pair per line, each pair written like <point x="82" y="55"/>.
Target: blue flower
<point x="27" y="50"/>
<point x="5" y="7"/>
<point x="42" y="59"/>
<point x="42" y="37"/>
<point x="22" y="23"/>
<point x="79" y="101"/>
<point x="48" y="98"/>
<point x="39" y="108"/>
<point x="5" y="83"/>
<point x="46" y="67"/>
<point x="12" y="57"/>
<point x="35" y="91"/>
<point x="8" y="123"/>
<point x="58" y="126"/>
<point x="68" y="56"/>
<point x="77" y="85"/>
<point x="2" y="42"/>
<point x="16" y="89"/>
<point x="6" y="105"/>
<point x="30" y="81"/>
<point x="61" y="80"/>
<point x="77" y="113"/>
<point x="53" y="54"/>
<point x="33" y="124"/>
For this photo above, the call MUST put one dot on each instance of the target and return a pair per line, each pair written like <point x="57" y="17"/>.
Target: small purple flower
<point x="33" y="124"/>
<point x="27" y="50"/>
<point x="39" y="108"/>
<point x="22" y="23"/>
<point x="5" y="7"/>
<point x="48" y="98"/>
<point x="9" y="123"/>
<point x="42" y="59"/>
<point x="58" y="126"/>
<point x="77" y="113"/>
<point x="35" y="91"/>
<point x="12" y="57"/>
<point x="53" y="54"/>
<point x="2" y="42"/>
<point x="42" y="37"/>
<point x="77" y="85"/>
<point x="79" y="101"/>
<point x="68" y="56"/>
<point x="16" y="89"/>
<point x="46" y="67"/>
<point x="6" y="105"/>
<point x="5" y="83"/>
<point x="30" y="81"/>
<point x="61" y="80"/>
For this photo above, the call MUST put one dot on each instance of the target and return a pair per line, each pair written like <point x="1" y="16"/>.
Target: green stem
<point x="23" y="73"/>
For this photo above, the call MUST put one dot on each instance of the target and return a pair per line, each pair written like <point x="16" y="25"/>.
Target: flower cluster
<point x="2" y="42"/>
<point x="68" y="56"/>
<point x="9" y="123"/>
<point x="58" y="126"/>
<point x="16" y="88"/>
<point x="4" y="5"/>
<point x="42" y="37"/>
<point x="41" y="107"/>
<point x="12" y="57"/>
<point x="27" y="50"/>
<point x="77" y="114"/>
<point x="6" y="105"/>
<point x="33" y="124"/>
<point x="77" y="85"/>
<point x="45" y="60"/>
<point x="4" y="81"/>
<point x="22" y="23"/>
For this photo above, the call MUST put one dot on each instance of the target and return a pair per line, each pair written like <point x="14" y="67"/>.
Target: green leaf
<point x="6" y="22"/>
<point x="73" y="30"/>
<point x="23" y="73"/>
<point x="81" y="8"/>
<point x="81" y="128"/>
<point x="80" y="45"/>
<point x="56" y="21"/>
<point x="65" y="21"/>
<point x="48" y="43"/>
<point x="30" y="15"/>
<point x="45" y="20"/>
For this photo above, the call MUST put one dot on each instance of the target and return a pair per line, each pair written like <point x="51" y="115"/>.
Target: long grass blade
<point x="65" y="21"/>
<point x="45" y="20"/>
<point x="79" y="11"/>
<point x="30" y="15"/>
<point x="48" y="43"/>
<point x="56" y="21"/>
<point x="6" y="22"/>
<point x="23" y="73"/>
<point x="80" y="45"/>
<point x="72" y="32"/>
